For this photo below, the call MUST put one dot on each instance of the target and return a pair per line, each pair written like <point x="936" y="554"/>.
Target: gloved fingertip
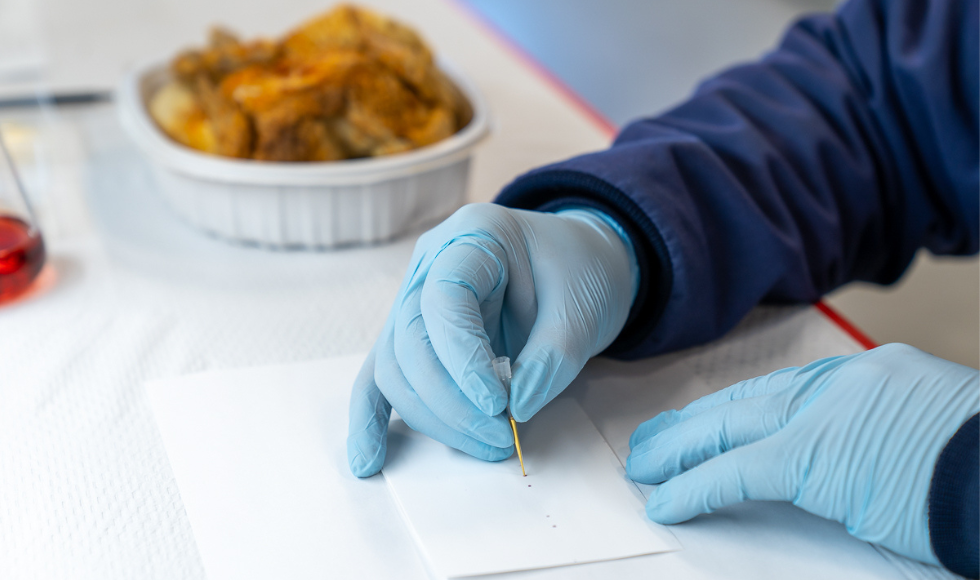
<point x="363" y="469"/>
<point x="527" y="403"/>
<point x="657" y="424"/>
<point x="641" y="469"/>
<point x="491" y="401"/>
<point x="365" y="458"/>
<point x="529" y="391"/>
<point x="494" y="406"/>
<point x="522" y="412"/>
<point x="657" y="508"/>
<point x="634" y="439"/>
<point x="496" y="432"/>
<point x="500" y="453"/>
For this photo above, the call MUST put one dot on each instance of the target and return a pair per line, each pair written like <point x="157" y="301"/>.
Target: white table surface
<point x="86" y="490"/>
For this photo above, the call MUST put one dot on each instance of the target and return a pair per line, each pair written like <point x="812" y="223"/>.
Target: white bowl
<point x="304" y="204"/>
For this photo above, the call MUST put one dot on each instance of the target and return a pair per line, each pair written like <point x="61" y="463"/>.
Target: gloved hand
<point x="851" y="438"/>
<point x="547" y="290"/>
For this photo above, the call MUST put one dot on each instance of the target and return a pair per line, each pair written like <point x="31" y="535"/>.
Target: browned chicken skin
<point x="349" y="83"/>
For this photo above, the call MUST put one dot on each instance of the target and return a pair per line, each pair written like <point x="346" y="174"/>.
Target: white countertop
<point x="86" y="490"/>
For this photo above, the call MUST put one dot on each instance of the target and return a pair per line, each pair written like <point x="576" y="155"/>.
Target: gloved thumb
<point x="545" y="367"/>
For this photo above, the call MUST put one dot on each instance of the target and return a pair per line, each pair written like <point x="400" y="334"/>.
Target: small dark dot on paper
<point x="547" y="516"/>
<point x="529" y="485"/>
<point x="554" y="526"/>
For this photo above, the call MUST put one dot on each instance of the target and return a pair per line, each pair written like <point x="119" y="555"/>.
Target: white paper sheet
<point x="260" y="458"/>
<point x="475" y="518"/>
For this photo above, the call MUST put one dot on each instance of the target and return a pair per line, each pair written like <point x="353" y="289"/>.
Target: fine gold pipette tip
<point x="517" y="444"/>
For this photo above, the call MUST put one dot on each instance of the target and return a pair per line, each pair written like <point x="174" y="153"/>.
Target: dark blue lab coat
<point x="834" y="158"/>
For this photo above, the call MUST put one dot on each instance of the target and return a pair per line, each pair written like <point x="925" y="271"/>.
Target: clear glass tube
<point x="22" y="252"/>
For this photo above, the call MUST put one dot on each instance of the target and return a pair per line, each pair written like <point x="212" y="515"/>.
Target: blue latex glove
<point x="548" y="290"/>
<point x="851" y="438"/>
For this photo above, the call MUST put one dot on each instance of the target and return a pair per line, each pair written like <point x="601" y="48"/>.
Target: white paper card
<point x="261" y="463"/>
<point x="475" y="518"/>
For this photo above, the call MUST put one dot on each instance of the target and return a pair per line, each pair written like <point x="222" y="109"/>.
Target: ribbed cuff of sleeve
<point x="550" y="190"/>
<point x="954" y="495"/>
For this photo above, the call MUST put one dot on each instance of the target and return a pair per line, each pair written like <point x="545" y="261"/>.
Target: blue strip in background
<point x="632" y="58"/>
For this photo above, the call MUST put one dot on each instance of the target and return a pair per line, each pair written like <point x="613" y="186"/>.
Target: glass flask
<point x="21" y="247"/>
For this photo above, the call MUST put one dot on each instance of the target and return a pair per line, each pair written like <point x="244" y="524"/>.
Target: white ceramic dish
<point x="304" y="205"/>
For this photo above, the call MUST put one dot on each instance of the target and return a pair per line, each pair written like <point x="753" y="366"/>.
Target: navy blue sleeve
<point x="954" y="495"/>
<point x="834" y="158"/>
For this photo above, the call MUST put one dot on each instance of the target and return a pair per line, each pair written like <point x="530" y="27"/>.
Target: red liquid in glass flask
<point x="21" y="256"/>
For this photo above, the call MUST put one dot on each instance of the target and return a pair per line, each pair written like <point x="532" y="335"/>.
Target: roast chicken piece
<point x="349" y="83"/>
